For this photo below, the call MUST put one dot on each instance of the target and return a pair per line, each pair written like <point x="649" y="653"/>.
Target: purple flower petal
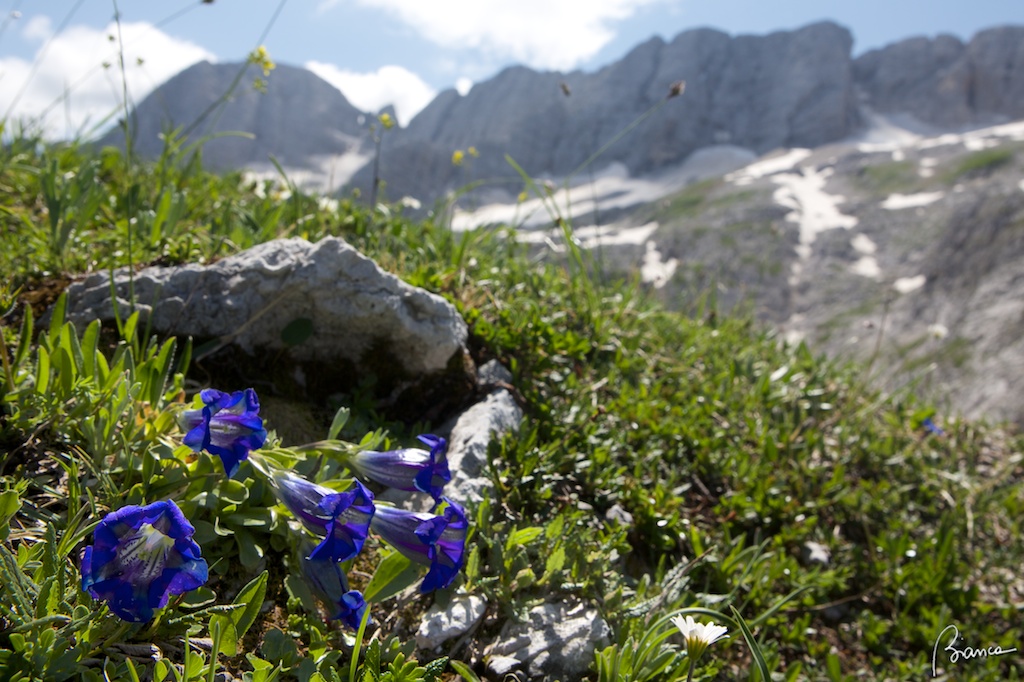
<point x="139" y="557"/>
<point x="351" y="608"/>
<point x="329" y="583"/>
<point x="410" y="469"/>
<point x="342" y="519"/>
<point x="438" y="541"/>
<point x="228" y="426"/>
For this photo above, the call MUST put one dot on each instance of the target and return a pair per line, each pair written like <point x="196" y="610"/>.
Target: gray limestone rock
<point x="497" y="414"/>
<point x="557" y="640"/>
<point x="927" y="78"/>
<point x="619" y="515"/>
<point x="493" y="373"/>
<point x="943" y="82"/>
<point x="357" y="318"/>
<point x="442" y="623"/>
<point x="997" y="71"/>
<point x="469" y="433"/>
<point x="815" y="553"/>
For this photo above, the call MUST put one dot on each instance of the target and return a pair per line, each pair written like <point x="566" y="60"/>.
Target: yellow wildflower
<point x="261" y="58"/>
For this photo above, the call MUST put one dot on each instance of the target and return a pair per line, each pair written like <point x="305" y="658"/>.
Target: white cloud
<point x="38" y="28"/>
<point x="326" y="5"/>
<point x="464" y="85"/>
<point x="375" y="90"/>
<point x="72" y="65"/>
<point x="544" y="34"/>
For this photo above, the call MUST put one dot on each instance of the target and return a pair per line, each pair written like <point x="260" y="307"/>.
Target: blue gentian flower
<point x="139" y="557"/>
<point x="932" y="427"/>
<point x="228" y="425"/>
<point x="438" y="541"/>
<point x="330" y="584"/>
<point x="408" y="469"/>
<point x="342" y="519"/>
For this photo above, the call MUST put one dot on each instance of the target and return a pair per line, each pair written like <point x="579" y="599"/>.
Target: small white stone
<point x="816" y="553"/>
<point x="443" y="623"/>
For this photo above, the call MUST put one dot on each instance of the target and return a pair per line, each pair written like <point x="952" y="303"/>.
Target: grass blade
<point x="755" y="650"/>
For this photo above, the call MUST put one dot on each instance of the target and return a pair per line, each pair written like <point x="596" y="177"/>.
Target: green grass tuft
<point x="981" y="163"/>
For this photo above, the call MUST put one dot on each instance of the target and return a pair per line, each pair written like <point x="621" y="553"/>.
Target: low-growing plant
<point x="111" y="423"/>
<point x="893" y="177"/>
<point x="981" y="163"/>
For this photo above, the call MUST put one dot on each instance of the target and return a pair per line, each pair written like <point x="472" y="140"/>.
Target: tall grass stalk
<point x="223" y="99"/>
<point x="582" y="267"/>
<point x="130" y="207"/>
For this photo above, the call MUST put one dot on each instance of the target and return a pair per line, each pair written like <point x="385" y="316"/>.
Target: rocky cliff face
<point x="759" y="92"/>
<point x="788" y="89"/>
<point x="905" y="256"/>
<point x="944" y="82"/>
<point x="325" y="123"/>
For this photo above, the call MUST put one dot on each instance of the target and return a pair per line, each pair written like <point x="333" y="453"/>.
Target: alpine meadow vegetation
<point x="735" y="507"/>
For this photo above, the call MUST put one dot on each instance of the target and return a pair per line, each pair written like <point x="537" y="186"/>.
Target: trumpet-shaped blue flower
<point x="408" y="469"/>
<point x="436" y="540"/>
<point x="139" y="557"/>
<point x="330" y="584"/>
<point x="342" y="519"/>
<point x="228" y="425"/>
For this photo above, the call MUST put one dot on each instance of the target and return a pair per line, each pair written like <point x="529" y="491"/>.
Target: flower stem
<point x="357" y="648"/>
<point x="8" y="370"/>
<point x="116" y="635"/>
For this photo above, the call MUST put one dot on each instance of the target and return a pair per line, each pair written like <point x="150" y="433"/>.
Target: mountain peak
<point x="205" y="100"/>
<point x="788" y="88"/>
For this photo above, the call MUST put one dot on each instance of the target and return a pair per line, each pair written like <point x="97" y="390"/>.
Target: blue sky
<point x="394" y="51"/>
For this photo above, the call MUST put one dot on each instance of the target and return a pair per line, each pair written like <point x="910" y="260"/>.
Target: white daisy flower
<point x="698" y="636"/>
